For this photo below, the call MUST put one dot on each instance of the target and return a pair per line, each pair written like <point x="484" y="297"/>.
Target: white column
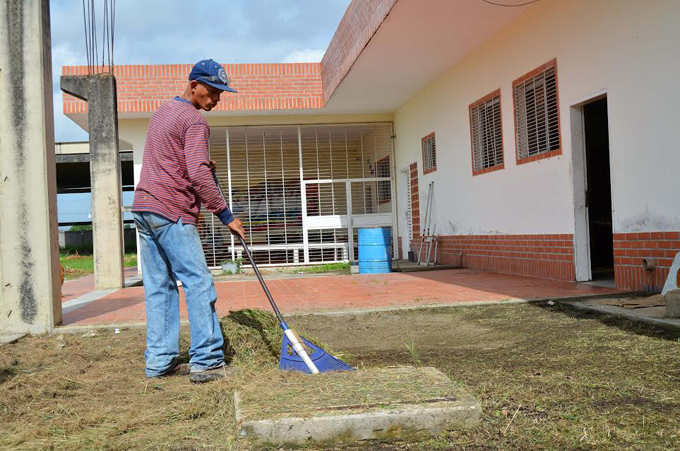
<point x="303" y="200"/>
<point x="30" y="294"/>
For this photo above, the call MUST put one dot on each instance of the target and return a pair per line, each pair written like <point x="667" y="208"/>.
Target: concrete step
<point x="385" y="404"/>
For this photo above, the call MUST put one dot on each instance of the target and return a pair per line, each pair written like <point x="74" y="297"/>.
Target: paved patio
<point x="75" y="288"/>
<point x="335" y="293"/>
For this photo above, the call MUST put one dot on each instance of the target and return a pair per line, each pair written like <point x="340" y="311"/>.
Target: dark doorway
<point x="599" y="191"/>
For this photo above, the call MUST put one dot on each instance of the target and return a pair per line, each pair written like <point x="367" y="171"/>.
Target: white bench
<point x="339" y="249"/>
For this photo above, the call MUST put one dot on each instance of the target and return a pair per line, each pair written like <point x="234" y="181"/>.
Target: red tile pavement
<point x="332" y="293"/>
<point x="77" y="287"/>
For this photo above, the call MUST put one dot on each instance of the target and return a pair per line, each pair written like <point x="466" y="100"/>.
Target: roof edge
<point x="265" y="86"/>
<point x="359" y="24"/>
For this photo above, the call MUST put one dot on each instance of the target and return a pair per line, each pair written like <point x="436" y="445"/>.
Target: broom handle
<point x="264" y="285"/>
<point x="292" y="336"/>
<point x="252" y="262"/>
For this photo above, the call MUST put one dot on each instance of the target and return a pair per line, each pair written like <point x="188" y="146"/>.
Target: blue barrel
<point x="374" y="250"/>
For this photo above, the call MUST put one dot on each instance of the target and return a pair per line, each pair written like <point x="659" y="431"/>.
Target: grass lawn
<point x="546" y="379"/>
<point x="76" y="265"/>
<point x="328" y="267"/>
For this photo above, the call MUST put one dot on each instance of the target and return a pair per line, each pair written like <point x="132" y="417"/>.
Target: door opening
<point x="598" y="189"/>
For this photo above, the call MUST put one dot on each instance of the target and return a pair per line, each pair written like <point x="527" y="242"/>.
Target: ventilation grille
<point x="487" y="140"/>
<point x="536" y="114"/>
<point x="429" y="154"/>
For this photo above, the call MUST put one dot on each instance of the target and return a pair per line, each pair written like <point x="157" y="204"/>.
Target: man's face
<point x="205" y="97"/>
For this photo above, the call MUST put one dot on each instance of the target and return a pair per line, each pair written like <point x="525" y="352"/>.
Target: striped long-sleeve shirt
<point x="176" y="177"/>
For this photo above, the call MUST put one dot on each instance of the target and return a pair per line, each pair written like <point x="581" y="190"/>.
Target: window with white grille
<point x="429" y="154"/>
<point x="536" y="113"/>
<point x="486" y="133"/>
<point x="385" y="187"/>
<point x="268" y="171"/>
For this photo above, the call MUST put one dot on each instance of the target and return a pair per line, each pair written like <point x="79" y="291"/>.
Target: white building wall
<point x="626" y="48"/>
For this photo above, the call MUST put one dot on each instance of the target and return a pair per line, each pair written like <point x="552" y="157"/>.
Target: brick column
<point x="631" y="248"/>
<point x="415" y="207"/>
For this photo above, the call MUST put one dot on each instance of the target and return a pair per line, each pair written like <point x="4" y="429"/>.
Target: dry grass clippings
<point x="546" y="380"/>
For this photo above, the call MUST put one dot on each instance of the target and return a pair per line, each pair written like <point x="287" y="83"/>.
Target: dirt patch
<point x="635" y="302"/>
<point x="547" y="380"/>
<point x="389" y="331"/>
<point x="6" y="374"/>
<point x="635" y="401"/>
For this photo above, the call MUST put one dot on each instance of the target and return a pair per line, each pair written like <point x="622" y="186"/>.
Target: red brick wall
<point x="143" y="88"/>
<point x="360" y="22"/>
<point x="415" y="205"/>
<point x="552" y="256"/>
<point x="545" y="256"/>
<point x="631" y="248"/>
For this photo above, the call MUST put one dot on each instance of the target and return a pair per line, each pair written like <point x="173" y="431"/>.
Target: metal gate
<point x="301" y="191"/>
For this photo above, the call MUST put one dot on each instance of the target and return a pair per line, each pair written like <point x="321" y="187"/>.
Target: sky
<point x="181" y="31"/>
<point x="176" y="31"/>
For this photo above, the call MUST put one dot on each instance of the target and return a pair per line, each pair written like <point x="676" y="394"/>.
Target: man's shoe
<point x="180" y="369"/>
<point x="212" y="374"/>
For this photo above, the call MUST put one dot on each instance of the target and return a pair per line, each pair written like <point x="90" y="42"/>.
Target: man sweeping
<point x="175" y="181"/>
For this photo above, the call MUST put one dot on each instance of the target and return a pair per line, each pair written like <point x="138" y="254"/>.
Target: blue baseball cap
<point x="211" y="73"/>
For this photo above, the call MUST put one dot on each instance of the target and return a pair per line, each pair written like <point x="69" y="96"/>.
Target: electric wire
<point x="105" y="33"/>
<point x="510" y="6"/>
<point x="92" y="42"/>
<point x="113" y="30"/>
<point x="94" y="34"/>
<point x="87" y="40"/>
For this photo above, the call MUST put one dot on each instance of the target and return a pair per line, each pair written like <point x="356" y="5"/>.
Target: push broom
<point x="317" y="360"/>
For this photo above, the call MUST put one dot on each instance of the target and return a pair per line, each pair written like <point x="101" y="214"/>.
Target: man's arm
<point x="197" y="158"/>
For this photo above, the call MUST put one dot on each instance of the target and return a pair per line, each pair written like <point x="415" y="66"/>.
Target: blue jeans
<point x="171" y="250"/>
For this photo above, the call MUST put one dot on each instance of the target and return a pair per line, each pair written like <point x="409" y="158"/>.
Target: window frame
<point x="434" y="159"/>
<point x="473" y="105"/>
<point x="523" y="78"/>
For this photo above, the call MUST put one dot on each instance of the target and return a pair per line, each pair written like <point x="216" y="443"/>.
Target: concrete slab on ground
<point x="9" y="338"/>
<point x="648" y="310"/>
<point x="407" y="266"/>
<point x="373" y="404"/>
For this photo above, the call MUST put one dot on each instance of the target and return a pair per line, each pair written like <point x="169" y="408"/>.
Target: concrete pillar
<point x="30" y="294"/>
<point x="107" y="222"/>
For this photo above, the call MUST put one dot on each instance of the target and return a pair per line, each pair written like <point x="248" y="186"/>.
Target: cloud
<point x="177" y="31"/>
<point x="64" y="128"/>
<point x="304" y="56"/>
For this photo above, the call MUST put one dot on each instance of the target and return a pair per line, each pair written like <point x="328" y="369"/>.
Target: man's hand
<point x="213" y="165"/>
<point x="236" y="228"/>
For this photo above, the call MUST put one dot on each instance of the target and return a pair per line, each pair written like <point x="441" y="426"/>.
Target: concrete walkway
<point x="9" y="338"/>
<point x="339" y="293"/>
<point x="75" y="288"/>
<point x="652" y="316"/>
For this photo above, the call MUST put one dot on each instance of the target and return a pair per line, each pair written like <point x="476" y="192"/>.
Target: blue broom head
<point x="324" y="362"/>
